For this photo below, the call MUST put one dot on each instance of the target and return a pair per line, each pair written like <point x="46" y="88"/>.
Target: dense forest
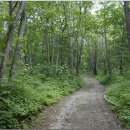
<point x="46" y="47"/>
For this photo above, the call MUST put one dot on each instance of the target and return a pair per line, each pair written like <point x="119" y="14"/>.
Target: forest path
<point x="84" y="109"/>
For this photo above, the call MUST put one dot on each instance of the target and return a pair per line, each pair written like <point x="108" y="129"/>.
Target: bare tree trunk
<point x="17" y="49"/>
<point x="127" y="15"/>
<point x="121" y="53"/>
<point x="91" y="61"/>
<point x="103" y="57"/>
<point x="77" y="54"/>
<point x="71" y="41"/>
<point x="95" y="60"/>
<point x="57" y="56"/>
<point x="60" y="34"/>
<point x="58" y="39"/>
<point x="9" y="39"/>
<point x="47" y="43"/>
<point x="79" y="58"/>
<point x="80" y="54"/>
<point x="107" y="55"/>
<point x="106" y="46"/>
<point x="52" y="55"/>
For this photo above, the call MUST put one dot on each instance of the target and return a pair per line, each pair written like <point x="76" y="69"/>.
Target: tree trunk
<point x="57" y="56"/>
<point x="95" y="60"/>
<point x="9" y="40"/>
<point x="121" y="54"/>
<point x="127" y="15"/>
<point x="47" y="43"/>
<point x="58" y="39"/>
<point x="71" y="41"/>
<point x="103" y="57"/>
<point x="107" y="55"/>
<point x="79" y="54"/>
<point x="17" y="49"/>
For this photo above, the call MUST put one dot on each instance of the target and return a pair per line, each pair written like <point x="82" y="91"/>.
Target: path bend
<point x="85" y="108"/>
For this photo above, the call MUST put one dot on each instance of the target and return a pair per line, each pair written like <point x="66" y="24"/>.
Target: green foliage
<point x="105" y="79"/>
<point x="119" y="94"/>
<point x="31" y="94"/>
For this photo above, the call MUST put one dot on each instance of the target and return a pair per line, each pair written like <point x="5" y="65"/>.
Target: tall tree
<point x="127" y="14"/>
<point x="9" y="38"/>
<point x="17" y="48"/>
<point x="70" y="57"/>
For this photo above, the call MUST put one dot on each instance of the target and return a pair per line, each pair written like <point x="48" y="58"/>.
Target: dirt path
<point x="85" y="108"/>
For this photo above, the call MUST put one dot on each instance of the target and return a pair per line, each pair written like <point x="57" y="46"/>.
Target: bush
<point x="105" y="79"/>
<point x="119" y="94"/>
<point x="31" y="94"/>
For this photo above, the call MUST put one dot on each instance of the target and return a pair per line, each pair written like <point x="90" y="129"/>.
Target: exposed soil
<point x="84" y="109"/>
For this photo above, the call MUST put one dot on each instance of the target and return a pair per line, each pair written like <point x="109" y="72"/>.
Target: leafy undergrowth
<point x="105" y="79"/>
<point x="118" y="92"/>
<point x="32" y="94"/>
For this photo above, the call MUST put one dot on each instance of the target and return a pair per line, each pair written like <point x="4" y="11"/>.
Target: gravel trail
<point x="85" y="108"/>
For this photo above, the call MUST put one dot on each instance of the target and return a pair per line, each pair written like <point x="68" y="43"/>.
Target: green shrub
<point x="31" y="94"/>
<point x="119" y="94"/>
<point x="104" y="79"/>
<point x="7" y="120"/>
